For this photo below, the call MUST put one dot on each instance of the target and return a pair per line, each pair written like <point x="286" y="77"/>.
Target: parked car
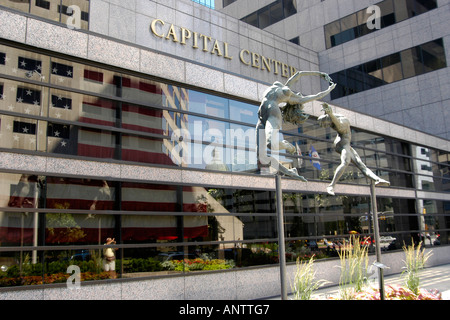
<point x="387" y="239"/>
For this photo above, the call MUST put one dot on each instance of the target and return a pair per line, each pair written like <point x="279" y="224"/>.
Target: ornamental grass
<point x="415" y="259"/>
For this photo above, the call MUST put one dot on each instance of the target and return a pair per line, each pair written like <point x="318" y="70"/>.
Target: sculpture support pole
<point x="281" y="243"/>
<point x="373" y="198"/>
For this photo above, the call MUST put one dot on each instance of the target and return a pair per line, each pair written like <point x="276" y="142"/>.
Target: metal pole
<point x="281" y="244"/>
<point x="373" y="198"/>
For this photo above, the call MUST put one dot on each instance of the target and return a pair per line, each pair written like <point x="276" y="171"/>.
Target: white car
<point x="388" y="239"/>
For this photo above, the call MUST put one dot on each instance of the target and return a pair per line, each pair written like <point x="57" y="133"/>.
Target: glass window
<point x="290" y="8"/>
<point x="146" y="119"/>
<point x="404" y="9"/>
<point x="66" y="13"/>
<point x="54" y="10"/>
<point x="78" y="76"/>
<point x="72" y="106"/>
<point x="45" y="9"/>
<point x="21" y="133"/>
<point x="23" y="6"/>
<point x="433" y="55"/>
<point x="387" y="13"/>
<point x="355" y="80"/>
<point x="271" y="13"/>
<point x="227" y="2"/>
<point x="422" y="6"/>
<point x="331" y="30"/>
<point x="392" y="68"/>
<point x="411" y="64"/>
<point x="363" y="17"/>
<point x="207" y="104"/>
<point x="23" y="98"/>
<point x="243" y="112"/>
<point x="252" y="19"/>
<point x="374" y="72"/>
<point x="295" y="40"/>
<point x="410" y="8"/>
<point x="264" y="18"/>
<point x="369" y="75"/>
<point x="24" y="64"/>
<point x="341" y="83"/>
<point x="276" y="12"/>
<point x="349" y="28"/>
<point x="147" y="150"/>
<point x="19" y="191"/>
<point x="142" y="90"/>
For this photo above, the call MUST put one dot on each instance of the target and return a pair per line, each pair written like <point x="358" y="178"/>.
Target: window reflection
<point x="24" y="64"/>
<point x="136" y="123"/>
<point x="272" y="13"/>
<point x="243" y="112"/>
<point x="407" y="63"/>
<point x="230" y="223"/>
<point x="207" y="104"/>
<point x="355" y="25"/>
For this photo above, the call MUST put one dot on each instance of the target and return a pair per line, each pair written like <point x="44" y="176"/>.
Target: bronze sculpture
<point x="272" y="113"/>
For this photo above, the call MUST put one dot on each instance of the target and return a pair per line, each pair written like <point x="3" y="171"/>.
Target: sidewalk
<point x="431" y="278"/>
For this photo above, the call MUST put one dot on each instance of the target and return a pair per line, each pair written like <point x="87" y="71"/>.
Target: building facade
<point x="395" y="70"/>
<point x="136" y="121"/>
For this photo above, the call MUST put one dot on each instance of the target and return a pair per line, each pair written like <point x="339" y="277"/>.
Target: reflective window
<point x="331" y="31"/>
<point x="355" y="25"/>
<point x="128" y="118"/>
<point x="206" y="3"/>
<point x="410" y="8"/>
<point x="54" y="10"/>
<point x="349" y="29"/>
<point x="227" y="2"/>
<point x="232" y="228"/>
<point x="272" y="13"/>
<point x="433" y="55"/>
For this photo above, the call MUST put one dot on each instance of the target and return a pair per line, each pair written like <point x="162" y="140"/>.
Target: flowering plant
<point x="198" y="264"/>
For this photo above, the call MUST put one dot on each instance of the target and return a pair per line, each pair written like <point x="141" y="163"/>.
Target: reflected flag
<point x="315" y="157"/>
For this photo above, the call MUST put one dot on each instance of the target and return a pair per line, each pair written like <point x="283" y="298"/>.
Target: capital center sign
<point x="207" y="44"/>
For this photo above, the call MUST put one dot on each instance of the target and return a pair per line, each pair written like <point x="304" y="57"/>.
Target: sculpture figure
<point x="342" y="146"/>
<point x="272" y="113"/>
